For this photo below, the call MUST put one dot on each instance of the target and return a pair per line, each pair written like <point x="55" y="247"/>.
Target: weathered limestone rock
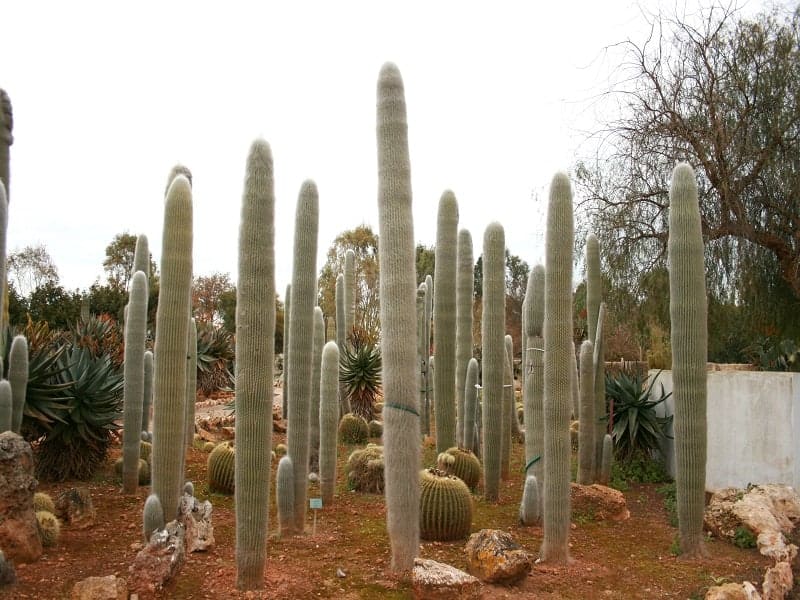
<point x="195" y="516"/>
<point x="159" y="561"/>
<point x="493" y="556"/>
<point x="778" y="582"/>
<point x="438" y="581"/>
<point x="109" y="587"/>
<point x="19" y="537"/>
<point x="733" y="591"/>
<point x="599" y="501"/>
<point x="74" y="507"/>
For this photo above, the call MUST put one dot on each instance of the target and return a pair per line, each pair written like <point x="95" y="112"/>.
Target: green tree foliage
<point x="118" y="263"/>
<point x="53" y="304"/>
<point x="207" y="294"/>
<point x="722" y="92"/>
<point x="364" y="242"/>
<point x="426" y="261"/>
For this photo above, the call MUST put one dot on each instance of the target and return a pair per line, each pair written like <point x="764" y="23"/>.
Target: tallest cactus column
<point x="558" y="361"/>
<point x="398" y="322"/>
<point x="255" y="344"/>
<point x="169" y="393"/>
<point x="689" y="338"/>
<point x="444" y="320"/>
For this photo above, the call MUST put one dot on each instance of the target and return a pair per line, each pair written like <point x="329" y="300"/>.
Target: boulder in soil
<point x="494" y="557"/>
<point x="195" y="516"/>
<point x="159" y="561"/>
<point x="599" y="502"/>
<point x="19" y="537"/>
<point x="109" y="587"/>
<point x="438" y="581"/>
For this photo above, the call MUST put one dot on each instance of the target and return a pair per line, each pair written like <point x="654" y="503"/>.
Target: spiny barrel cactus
<point x="18" y="378"/>
<point x="493" y="337"/>
<point x="688" y="313"/>
<point x="353" y="429"/>
<point x="465" y="283"/>
<point x="284" y="494"/>
<point x="169" y="393"/>
<point x="221" y="467"/>
<point x="558" y="359"/>
<point x="48" y="526"/>
<point x="133" y="391"/>
<point x="255" y="347"/>
<point x="465" y="465"/>
<point x="398" y="322"/>
<point x="586" y="445"/>
<point x="445" y="512"/>
<point x="328" y="420"/>
<point x="301" y="323"/>
<point x="444" y="319"/>
<point x="43" y="501"/>
<point x="365" y="469"/>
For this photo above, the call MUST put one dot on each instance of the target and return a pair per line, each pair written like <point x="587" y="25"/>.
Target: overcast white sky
<point x="108" y="96"/>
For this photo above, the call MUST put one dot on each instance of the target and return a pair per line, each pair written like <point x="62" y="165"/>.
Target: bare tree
<point x="31" y="268"/>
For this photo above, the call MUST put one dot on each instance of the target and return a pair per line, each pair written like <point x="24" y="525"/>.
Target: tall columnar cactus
<point x="5" y="406"/>
<point x="397" y="290"/>
<point x="169" y="390"/>
<point x="465" y="283"/>
<point x="422" y="349"/>
<point x="3" y="270"/>
<point x="471" y="407"/>
<point x="287" y="307"/>
<point x="133" y="391"/>
<point x="509" y="409"/>
<point x="349" y="292"/>
<point x="141" y="255"/>
<point x="426" y="408"/>
<point x="606" y="459"/>
<point x="191" y="381"/>
<point x="558" y="361"/>
<point x="533" y="392"/>
<point x="493" y="337"/>
<point x="18" y="378"/>
<point x="255" y="348"/>
<point x="301" y="323"/>
<point x="688" y="313"/>
<point x="594" y="285"/>
<point x="586" y="431"/>
<point x="513" y="418"/>
<point x="284" y="495"/>
<point x="318" y="342"/>
<point x="6" y="137"/>
<point x="599" y="388"/>
<point x="575" y="386"/>
<point x="341" y="337"/>
<point x="328" y="420"/>
<point x="147" y="390"/>
<point x="444" y="319"/>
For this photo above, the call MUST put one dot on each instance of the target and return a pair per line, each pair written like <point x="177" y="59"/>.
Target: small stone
<point x="438" y="581"/>
<point x="340" y="573"/>
<point x="109" y="587"/>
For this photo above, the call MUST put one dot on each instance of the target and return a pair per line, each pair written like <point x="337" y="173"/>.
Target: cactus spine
<point x="422" y="349"/>
<point x="493" y="337"/>
<point x="594" y="290"/>
<point x="349" y="292"/>
<point x="689" y="339"/>
<point x="533" y="392"/>
<point x="318" y="341"/>
<point x="133" y="392"/>
<point x="341" y="337"/>
<point x="558" y="361"/>
<point x="284" y="493"/>
<point x="328" y="420"/>
<point x="397" y="289"/>
<point x="465" y="283"/>
<point x="471" y="407"/>
<point x="169" y="390"/>
<point x="301" y="323"/>
<point x="599" y="387"/>
<point x="141" y="255"/>
<point x="147" y="390"/>
<point x="6" y="138"/>
<point x="575" y="386"/>
<point x="586" y="445"/>
<point x="255" y="343"/>
<point x="18" y="378"/>
<point x="444" y="318"/>
<point x="509" y="410"/>
<point x="594" y="322"/>
<point x="191" y="381"/>
<point x="3" y="262"/>
<point x="287" y="307"/>
<point x="426" y="408"/>
<point x="5" y="406"/>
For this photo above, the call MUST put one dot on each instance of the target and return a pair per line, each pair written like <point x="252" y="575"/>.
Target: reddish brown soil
<point x="629" y="559"/>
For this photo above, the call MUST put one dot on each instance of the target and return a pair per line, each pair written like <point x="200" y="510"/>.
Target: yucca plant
<point x="637" y="429"/>
<point x="360" y="373"/>
<point x="215" y="356"/>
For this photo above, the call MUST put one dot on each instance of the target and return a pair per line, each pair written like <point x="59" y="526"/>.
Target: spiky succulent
<point x="360" y="375"/>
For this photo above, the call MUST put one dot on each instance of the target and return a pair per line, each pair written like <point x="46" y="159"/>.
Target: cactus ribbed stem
<point x="688" y="313"/>
<point x="575" y="386"/>
<point x="341" y="337"/>
<point x="586" y="431"/>
<point x="349" y="292"/>
<point x="465" y="283"/>
<point x="318" y="342"/>
<point x="398" y="322"/>
<point x="255" y="348"/>
<point x="141" y="255"/>
<point x="3" y="262"/>
<point x="558" y="359"/>
<point x="328" y="421"/>
<point x="6" y="139"/>
<point x="5" y="406"/>
<point x="147" y="390"/>
<point x="287" y="307"/>
<point x="594" y="285"/>
<point x="191" y="381"/>
<point x="133" y="391"/>
<point x="530" y="510"/>
<point x="426" y="408"/>
<point x="606" y="459"/>
<point x="600" y="423"/>
<point x="509" y="408"/>
<point x="18" y="378"/>
<point x="284" y="494"/>
<point x="533" y="393"/>
<point x="493" y="338"/>
<point x="422" y="348"/>
<point x="471" y="407"/>
<point x="152" y="516"/>
<point x="301" y="323"/>
<point x="444" y="319"/>
<point x="169" y="390"/>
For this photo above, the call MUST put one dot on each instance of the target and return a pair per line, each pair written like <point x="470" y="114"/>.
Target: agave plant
<point x="637" y="428"/>
<point x="102" y="335"/>
<point x="215" y="356"/>
<point x="360" y="373"/>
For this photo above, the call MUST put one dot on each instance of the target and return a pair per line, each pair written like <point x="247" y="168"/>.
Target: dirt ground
<point x="628" y="559"/>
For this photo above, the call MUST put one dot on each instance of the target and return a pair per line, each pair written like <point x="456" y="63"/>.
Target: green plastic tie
<point x="534" y="460"/>
<point x="401" y="407"/>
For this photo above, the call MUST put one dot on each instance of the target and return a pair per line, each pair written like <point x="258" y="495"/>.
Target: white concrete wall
<point x="753" y="428"/>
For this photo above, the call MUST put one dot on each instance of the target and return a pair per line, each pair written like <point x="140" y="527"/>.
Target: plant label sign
<point x="315" y="502"/>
